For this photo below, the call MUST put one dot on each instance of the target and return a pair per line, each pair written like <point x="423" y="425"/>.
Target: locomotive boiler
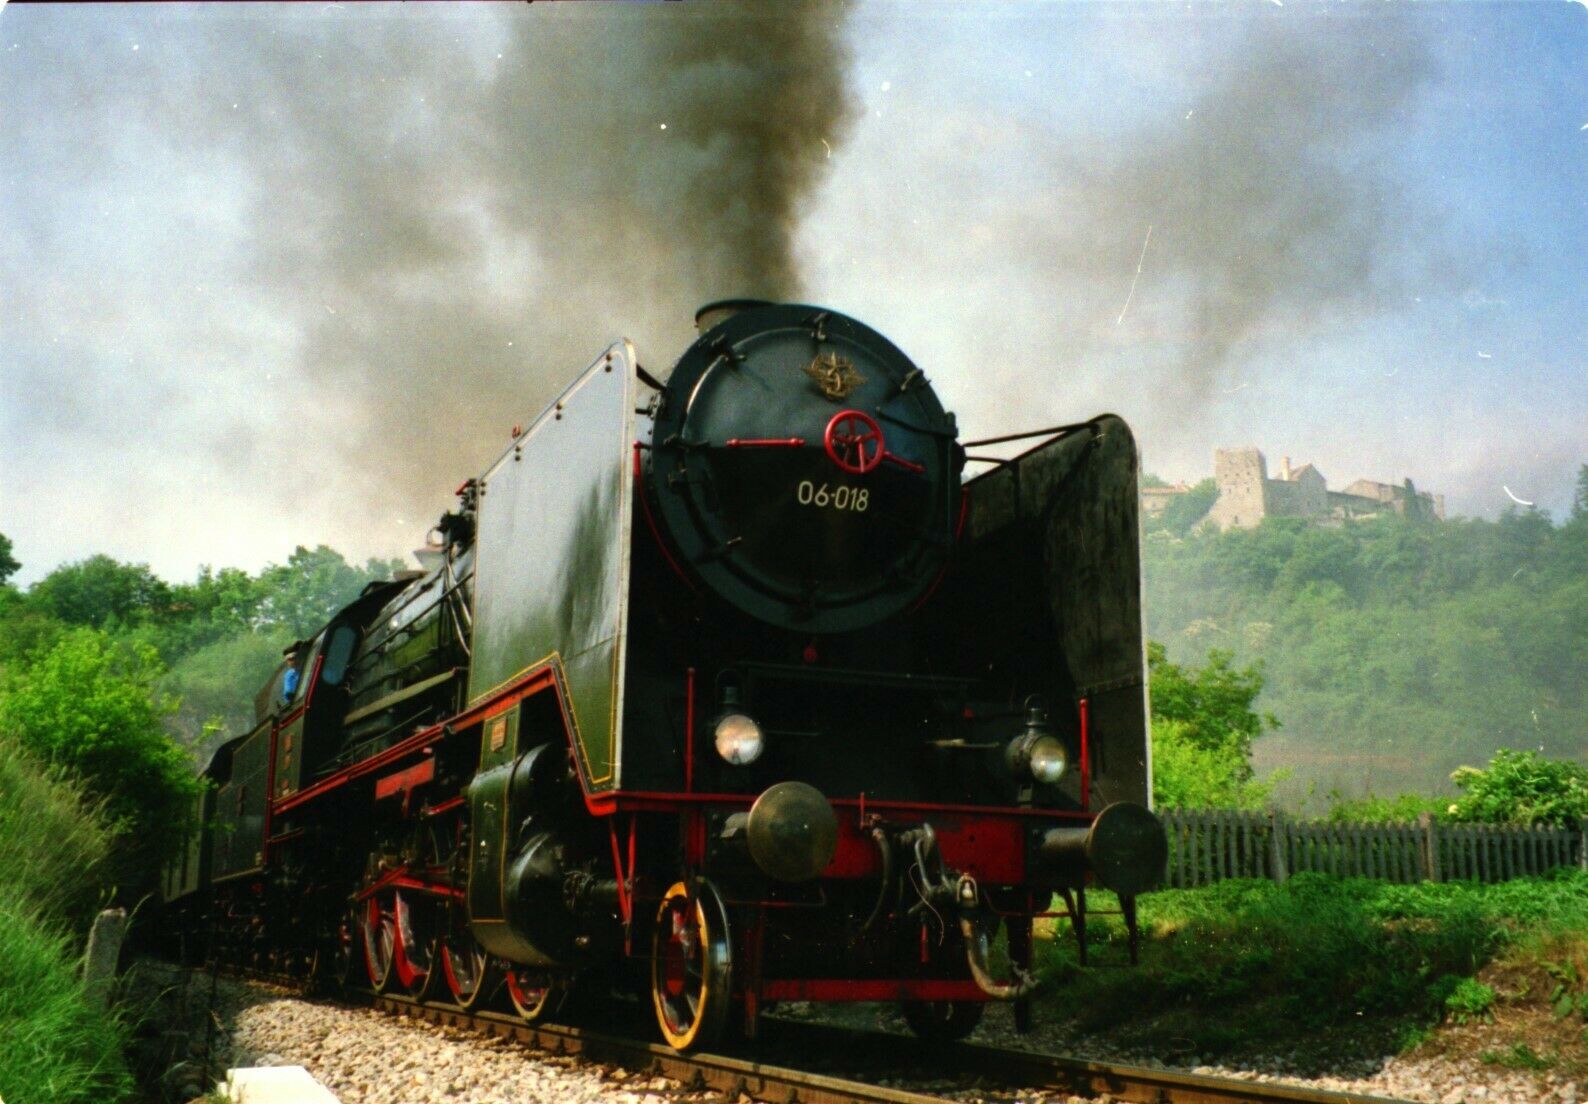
<point x="730" y="687"/>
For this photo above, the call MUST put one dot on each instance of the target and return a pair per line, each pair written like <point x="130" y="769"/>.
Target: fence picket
<point x="1210" y="845"/>
<point x="1221" y="843"/>
<point x="1205" y="852"/>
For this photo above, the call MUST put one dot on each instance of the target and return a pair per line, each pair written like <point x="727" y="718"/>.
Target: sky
<point x="283" y="275"/>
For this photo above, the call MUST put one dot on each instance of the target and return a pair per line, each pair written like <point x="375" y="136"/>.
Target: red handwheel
<point x="854" y="441"/>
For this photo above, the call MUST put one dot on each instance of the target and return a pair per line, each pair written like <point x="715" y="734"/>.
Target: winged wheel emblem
<point x="835" y="376"/>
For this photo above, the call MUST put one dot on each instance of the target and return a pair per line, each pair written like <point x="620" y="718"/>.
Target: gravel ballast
<point x="367" y="1057"/>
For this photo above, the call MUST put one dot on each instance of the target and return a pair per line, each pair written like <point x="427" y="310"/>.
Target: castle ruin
<point x="1247" y="494"/>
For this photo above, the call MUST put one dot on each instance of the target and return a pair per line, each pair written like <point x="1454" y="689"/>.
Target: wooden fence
<point x="1210" y="845"/>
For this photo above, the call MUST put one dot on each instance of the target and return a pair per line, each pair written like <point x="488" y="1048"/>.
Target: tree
<point x="1579" y="502"/>
<point x="1184" y="511"/>
<point x="1212" y="704"/>
<point x="99" y="590"/>
<point x="216" y="686"/>
<point x="1190" y="775"/>
<point x="88" y="706"/>
<point x="302" y="594"/>
<point x="8" y="563"/>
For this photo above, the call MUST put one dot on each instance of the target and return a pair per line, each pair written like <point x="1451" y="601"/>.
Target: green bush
<point x="88" y="706"/>
<point x="1470" y="1000"/>
<point x="55" y="1047"/>
<point x="1403" y="808"/>
<point x="1522" y="787"/>
<point x="1190" y="775"/>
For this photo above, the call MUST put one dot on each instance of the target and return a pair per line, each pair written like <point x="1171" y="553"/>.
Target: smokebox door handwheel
<point x="853" y="441"/>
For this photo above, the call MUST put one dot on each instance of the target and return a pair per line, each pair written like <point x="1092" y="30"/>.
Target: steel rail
<point x="763" y="1081"/>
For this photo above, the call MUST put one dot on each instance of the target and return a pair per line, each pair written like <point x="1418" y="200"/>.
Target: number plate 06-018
<point x="828" y="497"/>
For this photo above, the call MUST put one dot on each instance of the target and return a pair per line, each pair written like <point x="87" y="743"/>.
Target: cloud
<point x="421" y="227"/>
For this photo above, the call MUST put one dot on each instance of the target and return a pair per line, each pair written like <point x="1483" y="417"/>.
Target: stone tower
<point x="1242" y="478"/>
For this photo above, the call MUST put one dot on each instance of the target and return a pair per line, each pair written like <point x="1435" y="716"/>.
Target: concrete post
<point x="1430" y="846"/>
<point x="1582" y="842"/>
<point x="1278" y="867"/>
<point x="104" y="948"/>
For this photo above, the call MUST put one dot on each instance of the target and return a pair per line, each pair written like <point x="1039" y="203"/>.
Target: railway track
<point x="991" y="1073"/>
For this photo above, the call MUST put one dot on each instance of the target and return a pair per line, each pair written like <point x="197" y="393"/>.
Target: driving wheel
<point x="691" y="965"/>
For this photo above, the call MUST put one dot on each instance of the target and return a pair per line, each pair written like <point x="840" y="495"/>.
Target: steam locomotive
<point x="727" y="687"/>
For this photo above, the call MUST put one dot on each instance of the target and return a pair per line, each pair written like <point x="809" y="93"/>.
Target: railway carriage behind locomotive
<point x="729" y="688"/>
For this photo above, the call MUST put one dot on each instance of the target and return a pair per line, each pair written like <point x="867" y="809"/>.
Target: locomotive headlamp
<point x="1037" y="752"/>
<point x="738" y="738"/>
<point x="1048" y="760"/>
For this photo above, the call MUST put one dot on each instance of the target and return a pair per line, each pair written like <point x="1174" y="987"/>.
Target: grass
<point x="1470" y="1000"/>
<point x="1516" y="1056"/>
<point x="54" y="840"/>
<point x="1244" y="964"/>
<point x="55" y="1046"/>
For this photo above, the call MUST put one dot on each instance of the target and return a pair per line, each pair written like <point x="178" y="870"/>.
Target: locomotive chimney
<point x="721" y="310"/>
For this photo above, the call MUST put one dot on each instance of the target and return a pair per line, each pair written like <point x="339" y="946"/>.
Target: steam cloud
<point x="1271" y="212"/>
<point x="397" y="232"/>
<point x="462" y="257"/>
<point x="1262" y="202"/>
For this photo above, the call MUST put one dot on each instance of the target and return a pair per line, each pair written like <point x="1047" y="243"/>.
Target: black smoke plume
<point x="457" y="231"/>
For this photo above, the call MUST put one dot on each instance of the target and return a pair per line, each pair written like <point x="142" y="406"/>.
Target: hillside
<point x="1393" y="651"/>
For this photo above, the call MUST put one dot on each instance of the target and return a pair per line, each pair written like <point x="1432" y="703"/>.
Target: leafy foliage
<point x="215" y="686"/>
<point x="88" y="706"/>
<point x="1394" y="648"/>
<point x="1403" y="808"/>
<point x="1212" y="704"/>
<point x="1522" y="787"/>
<point x="1470" y="1000"/>
<point x="302" y="594"/>
<point x="8" y="563"/>
<point x="1570" y="994"/>
<point x="1184" y="511"/>
<point x="100" y="590"/>
<point x="1187" y="774"/>
<point x="1248" y="962"/>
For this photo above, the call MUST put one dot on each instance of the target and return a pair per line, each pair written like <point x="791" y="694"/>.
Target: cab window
<point x="337" y="654"/>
